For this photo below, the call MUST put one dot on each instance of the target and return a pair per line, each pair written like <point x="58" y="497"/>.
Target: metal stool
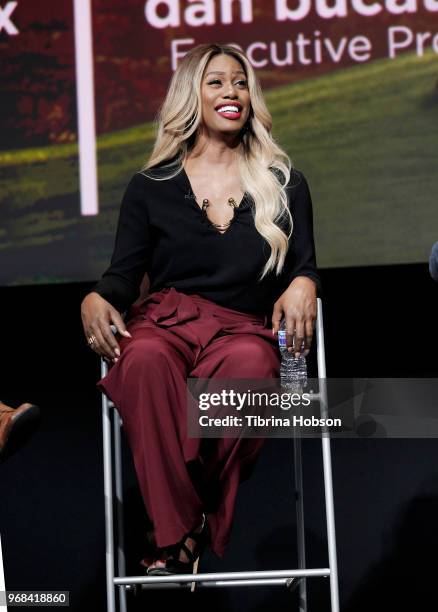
<point x="115" y="565"/>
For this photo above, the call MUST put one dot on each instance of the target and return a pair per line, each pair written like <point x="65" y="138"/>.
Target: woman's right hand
<point x="97" y="317"/>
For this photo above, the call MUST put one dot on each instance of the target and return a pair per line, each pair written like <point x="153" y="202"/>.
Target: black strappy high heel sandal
<point x="173" y="564"/>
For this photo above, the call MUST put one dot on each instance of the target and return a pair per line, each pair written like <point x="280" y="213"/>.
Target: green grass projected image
<point x="366" y="138"/>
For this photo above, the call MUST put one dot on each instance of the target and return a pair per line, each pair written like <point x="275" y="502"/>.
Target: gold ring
<point x="91" y="340"/>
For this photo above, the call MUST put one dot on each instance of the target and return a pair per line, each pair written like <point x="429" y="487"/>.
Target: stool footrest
<point x="278" y="577"/>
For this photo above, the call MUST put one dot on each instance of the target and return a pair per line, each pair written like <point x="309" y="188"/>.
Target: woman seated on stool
<point x="222" y="224"/>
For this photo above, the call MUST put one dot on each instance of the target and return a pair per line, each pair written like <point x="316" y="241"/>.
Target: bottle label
<point x="282" y="338"/>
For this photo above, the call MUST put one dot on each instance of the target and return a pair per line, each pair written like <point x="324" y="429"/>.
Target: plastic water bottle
<point x="293" y="370"/>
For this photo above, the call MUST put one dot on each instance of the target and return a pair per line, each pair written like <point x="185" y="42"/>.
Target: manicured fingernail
<point x="127" y="334"/>
<point x="117" y="352"/>
<point x="115" y="360"/>
<point x="273" y="331"/>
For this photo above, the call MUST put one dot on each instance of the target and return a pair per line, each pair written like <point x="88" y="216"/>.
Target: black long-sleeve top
<point x="163" y="231"/>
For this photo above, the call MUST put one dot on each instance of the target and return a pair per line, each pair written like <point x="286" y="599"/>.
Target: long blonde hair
<point x="264" y="166"/>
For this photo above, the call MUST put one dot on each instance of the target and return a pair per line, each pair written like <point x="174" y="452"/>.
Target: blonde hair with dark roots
<point x="261" y="161"/>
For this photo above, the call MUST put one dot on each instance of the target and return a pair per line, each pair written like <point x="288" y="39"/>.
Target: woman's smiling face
<point x="224" y="84"/>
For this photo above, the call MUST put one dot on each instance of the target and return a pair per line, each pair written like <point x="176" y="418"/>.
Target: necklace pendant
<point x="221" y="227"/>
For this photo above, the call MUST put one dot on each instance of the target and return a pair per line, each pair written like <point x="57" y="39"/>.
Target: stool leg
<point x="121" y="566"/>
<point x="330" y="514"/>
<point x="299" y="506"/>
<point x="108" y="493"/>
<point x="3" y="608"/>
<point x="327" y="464"/>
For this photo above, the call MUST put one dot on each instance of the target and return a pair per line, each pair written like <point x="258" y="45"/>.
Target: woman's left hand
<point x="297" y="305"/>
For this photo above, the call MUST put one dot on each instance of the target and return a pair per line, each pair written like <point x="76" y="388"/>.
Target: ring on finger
<point x="91" y="339"/>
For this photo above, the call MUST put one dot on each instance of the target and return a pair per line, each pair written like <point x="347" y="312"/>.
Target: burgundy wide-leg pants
<point x="176" y="336"/>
